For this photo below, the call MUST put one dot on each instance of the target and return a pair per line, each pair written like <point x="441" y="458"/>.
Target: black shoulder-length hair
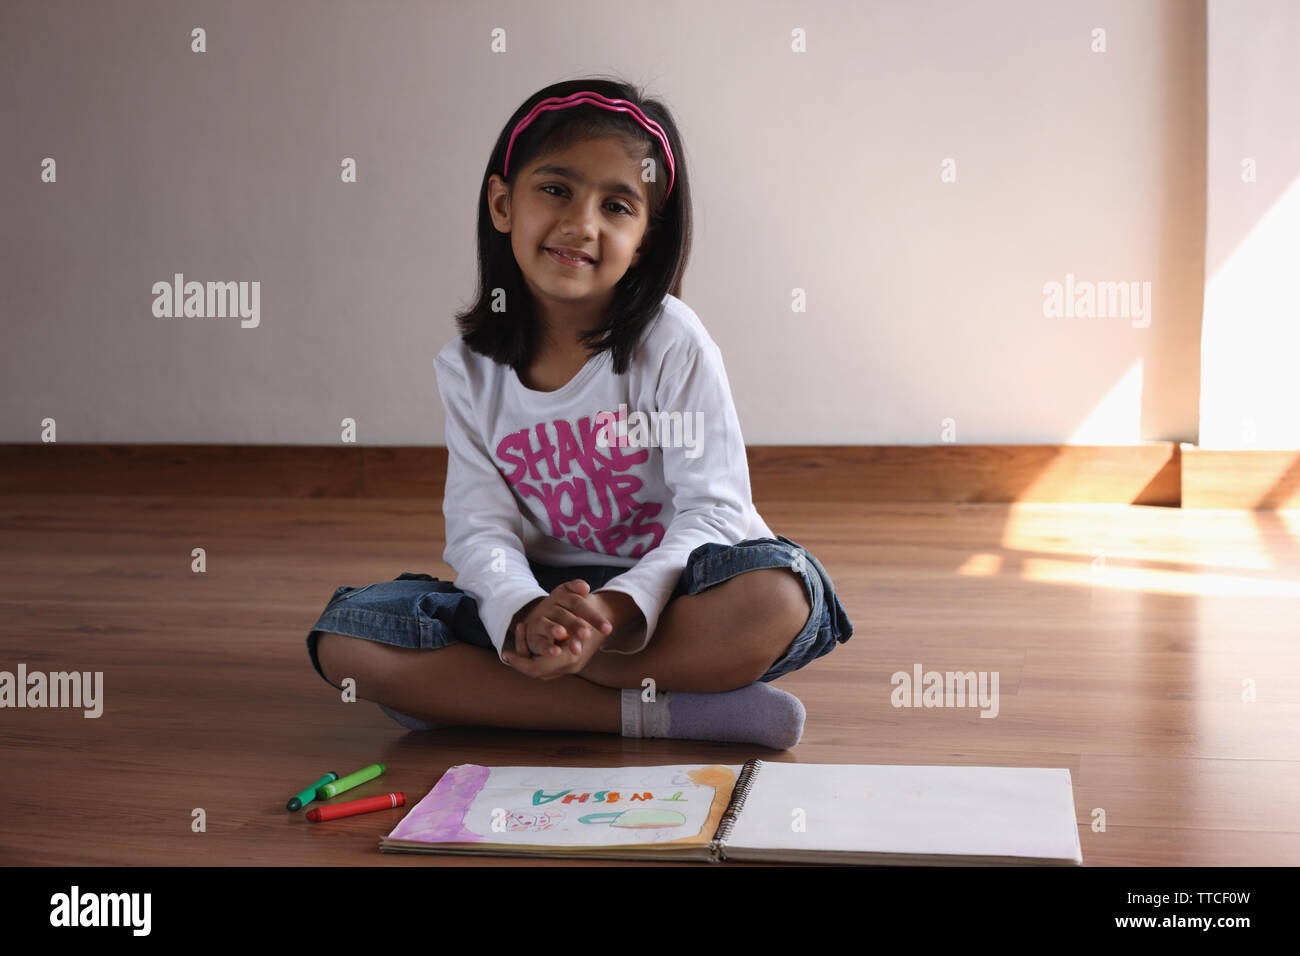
<point x="511" y="336"/>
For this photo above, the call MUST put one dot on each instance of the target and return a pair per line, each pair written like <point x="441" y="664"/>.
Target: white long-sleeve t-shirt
<point x="634" y="470"/>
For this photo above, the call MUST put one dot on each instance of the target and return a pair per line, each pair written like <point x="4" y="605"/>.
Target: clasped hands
<point x="558" y="634"/>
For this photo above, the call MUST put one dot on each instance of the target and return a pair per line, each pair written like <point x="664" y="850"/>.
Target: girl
<point x="613" y="574"/>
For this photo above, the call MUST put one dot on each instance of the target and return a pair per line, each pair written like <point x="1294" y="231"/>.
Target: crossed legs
<point x="718" y="640"/>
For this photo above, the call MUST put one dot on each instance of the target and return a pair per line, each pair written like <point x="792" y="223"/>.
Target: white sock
<point x="645" y="718"/>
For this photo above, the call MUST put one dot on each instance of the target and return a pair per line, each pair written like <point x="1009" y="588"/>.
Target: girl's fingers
<point x="553" y="629"/>
<point x="576" y="629"/>
<point x="573" y="624"/>
<point x="529" y="667"/>
<point x="581" y="630"/>
<point x="576" y="603"/>
<point x="594" y="616"/>
<point x="544" y="642"/>
<point x="538" y="646"/>
<point x="578" y="613"/>
<point x="516" y="659"/>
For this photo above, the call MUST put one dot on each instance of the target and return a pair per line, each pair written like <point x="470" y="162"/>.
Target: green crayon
<point x="308" y="795"/>
<point x="350" y="781"/>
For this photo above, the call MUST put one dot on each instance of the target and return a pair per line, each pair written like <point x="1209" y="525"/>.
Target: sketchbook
<point x="756" y="811"/>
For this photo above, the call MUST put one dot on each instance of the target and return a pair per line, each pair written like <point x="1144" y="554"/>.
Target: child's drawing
<point x="600" y="807"/>
<point x="571" y="806"/>
<point x="532" y="820"/>
<point x="644" y="817"/>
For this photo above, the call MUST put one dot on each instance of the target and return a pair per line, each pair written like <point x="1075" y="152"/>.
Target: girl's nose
<point x="579" y="217"/>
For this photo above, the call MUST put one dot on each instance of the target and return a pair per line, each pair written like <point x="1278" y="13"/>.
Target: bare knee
<point x="721" y="639"/>
<point x="342" y="657"/>
<point x="774" y="604"/>
<point x="328" y="651"/>
<point x="786" y="597"/>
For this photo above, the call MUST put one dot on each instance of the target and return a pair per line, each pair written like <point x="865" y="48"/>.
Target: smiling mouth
<point x="565" y="260"/>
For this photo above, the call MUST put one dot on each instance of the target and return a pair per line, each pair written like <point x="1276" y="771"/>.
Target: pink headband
<point x="604" y="103"/>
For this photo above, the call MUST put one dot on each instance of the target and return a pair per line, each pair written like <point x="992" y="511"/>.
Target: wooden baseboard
<point x="1148" y="474"/>
<point x="307" y="471"/>
<point x="1155" y="473"/>
<point x="1252" y="479"/>
<point x="1144" y="474"/>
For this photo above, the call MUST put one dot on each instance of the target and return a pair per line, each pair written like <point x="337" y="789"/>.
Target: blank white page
<point x="967" y="811"/>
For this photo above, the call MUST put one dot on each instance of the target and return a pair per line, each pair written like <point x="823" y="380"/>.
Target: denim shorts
<point x="417" y="610"/>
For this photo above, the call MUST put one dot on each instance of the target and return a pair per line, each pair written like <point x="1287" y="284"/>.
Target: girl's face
<point x="588" y="200"/>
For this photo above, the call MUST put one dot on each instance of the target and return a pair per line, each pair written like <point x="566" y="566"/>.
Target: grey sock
<point x="757" y="714"/>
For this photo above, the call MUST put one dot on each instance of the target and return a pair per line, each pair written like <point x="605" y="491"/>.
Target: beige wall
<point x="818" y="171"/>
<point x="1250" y="395"/>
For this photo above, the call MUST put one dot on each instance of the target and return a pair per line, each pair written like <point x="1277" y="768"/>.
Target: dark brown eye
<point x="623" y="210"/>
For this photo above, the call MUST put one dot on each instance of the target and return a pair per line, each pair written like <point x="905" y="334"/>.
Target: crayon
<point x="350" y="781"/>
<point x="386" y="801"/>
<point x="308" y="795"/>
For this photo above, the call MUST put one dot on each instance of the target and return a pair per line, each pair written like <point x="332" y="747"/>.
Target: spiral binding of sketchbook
<point x="734" y="807"/>
<point x="757" y="811"/>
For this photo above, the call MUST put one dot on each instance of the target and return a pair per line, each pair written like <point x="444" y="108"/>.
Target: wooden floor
<point x="1123" y="638"/>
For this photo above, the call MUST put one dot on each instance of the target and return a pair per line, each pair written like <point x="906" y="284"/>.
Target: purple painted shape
<point x="439" y="817"/>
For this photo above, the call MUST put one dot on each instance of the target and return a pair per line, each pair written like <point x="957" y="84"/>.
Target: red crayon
<point x="386" y="802"/>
